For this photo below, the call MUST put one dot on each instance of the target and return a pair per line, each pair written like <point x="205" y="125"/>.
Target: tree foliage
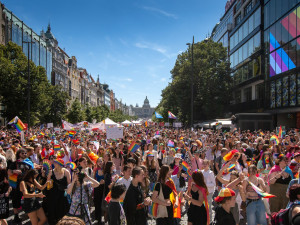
<point x="211" y="81"/>
<point x="46" y="102"/>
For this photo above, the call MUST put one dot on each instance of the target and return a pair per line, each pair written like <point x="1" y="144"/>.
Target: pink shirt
<point x="196" y="164"/>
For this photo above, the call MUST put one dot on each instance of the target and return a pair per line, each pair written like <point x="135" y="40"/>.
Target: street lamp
<point x="28" y="85"/>
<point x="192" y="83"/>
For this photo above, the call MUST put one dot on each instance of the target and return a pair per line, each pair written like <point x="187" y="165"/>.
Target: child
<point x="116" y="215"/>
<point x="210" y="181"/>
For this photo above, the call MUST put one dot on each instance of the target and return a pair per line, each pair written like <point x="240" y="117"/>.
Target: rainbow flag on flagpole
<point x="171" y="115"/>
<point x="18" y="124"/>
<point x="280" y="132"/>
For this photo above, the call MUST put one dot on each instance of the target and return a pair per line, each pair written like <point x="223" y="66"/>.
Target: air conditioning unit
<point x="229" y="27"/>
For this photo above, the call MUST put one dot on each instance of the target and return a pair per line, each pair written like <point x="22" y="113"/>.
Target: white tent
<point x="109" y="122"/>
<point x="126" y="122"/>
<point x="136" y="122"/>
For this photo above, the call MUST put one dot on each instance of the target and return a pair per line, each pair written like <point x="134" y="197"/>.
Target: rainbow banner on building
<point x="18" y="124"/>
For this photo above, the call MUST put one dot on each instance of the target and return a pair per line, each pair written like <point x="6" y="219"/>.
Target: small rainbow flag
<point x="42" y="134"/>
<point x="72" y="165"/>
<point x="56" y="147"/>
<point x="275" y="139"/>
<point x="146" y="124"/>
<point x="171" y="115"/>
<point x="185" y="166"/>
<point x="133" y="147"/>
<point x="76" y="142"/>
<point x="260" y="192"/>
<point x="297" y="175"/>
<point x="280" y="132"/>
<point x="229" y="169"/>
<point x="261" y="133"/>
<point x="72" y="133"/>
<point x="12" y="180"/>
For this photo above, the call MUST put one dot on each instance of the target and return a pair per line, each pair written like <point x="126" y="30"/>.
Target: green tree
<point x="211" y="81"/>
<point x="90" y="113"/>
<point x="76" y="113"/>
<point x="14" y="85"/>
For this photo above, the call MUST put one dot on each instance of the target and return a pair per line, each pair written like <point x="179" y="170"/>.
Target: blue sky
<point x="131" y="44"/>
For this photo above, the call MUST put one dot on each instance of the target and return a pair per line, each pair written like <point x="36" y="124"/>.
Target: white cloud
<point x="161" y="12"/>
<point x="163" y="79"/>
<point x="154" y="47"/>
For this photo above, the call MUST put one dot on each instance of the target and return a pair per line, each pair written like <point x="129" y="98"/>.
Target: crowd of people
<point x="213" y="176"/>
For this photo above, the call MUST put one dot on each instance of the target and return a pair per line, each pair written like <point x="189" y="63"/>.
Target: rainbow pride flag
<point x="152" y="209"/>
<point x="260" y="192"/>
<point x="12" y="180"/>
<point x="280" y="132"/>
<point x="18" y="124"/>
<point x="171" y="115"/>
<point x="146" y="124"/>
<point x="72" y="165"/>
<point x="56" y="147"/>
<point x="275" y="139"/>
<point x="133" y="147"/>
<point x="76" y="142"/>
<point x="72" y="133"/>
<point x="185" y="166"/>
<point x="42" y="134"/>
<point x="229" y="169"/>
<point x="261" y="133"/>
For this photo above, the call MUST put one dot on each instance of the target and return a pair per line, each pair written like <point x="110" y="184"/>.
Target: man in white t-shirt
<point x="126" y="179"/>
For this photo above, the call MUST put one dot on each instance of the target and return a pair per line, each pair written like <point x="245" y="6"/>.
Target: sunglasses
<point x="235" y="156"/>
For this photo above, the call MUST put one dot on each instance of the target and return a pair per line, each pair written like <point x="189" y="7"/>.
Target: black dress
<point x="197" y="214"/>
<point x="4" y="201"/>
<point x="31" y="204"/>
<point x="56" y="200"/>
<point x="166" y="192"/>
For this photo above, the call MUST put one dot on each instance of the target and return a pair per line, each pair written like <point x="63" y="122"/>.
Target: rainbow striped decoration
<point x="47" y="166"/>
<point x="92" y="155"/>
<point x="261" y="133"/>
<point x="18" y="124"/>
<point x="12" y="180"/>
<point x="42" y="134"/>
<point x="260" y="192"/>
<point x="280" y="132"/>
<point x="297" y="175"/>
<point x="72" y="165"/>
<point x="171" y="115"/>
<point x="56" y="147"/>
<point x="146" y="124"/>
<point x="275" y="139"/>
<point x="152" y="209"/>
<point x="133" y="147"/>
<point x="76" y="142"/>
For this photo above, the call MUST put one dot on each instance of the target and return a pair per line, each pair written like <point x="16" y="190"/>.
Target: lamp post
<point x="28" y="84"/>
<point x="192" y="83"/>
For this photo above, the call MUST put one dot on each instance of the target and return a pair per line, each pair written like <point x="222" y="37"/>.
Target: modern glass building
<point x="18" y="32"/>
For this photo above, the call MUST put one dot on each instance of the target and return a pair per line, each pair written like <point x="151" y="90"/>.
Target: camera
<point x="80" y="174"/>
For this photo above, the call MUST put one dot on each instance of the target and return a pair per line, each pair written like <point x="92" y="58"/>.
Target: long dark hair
<point x="164" y="170"/>
<point x="107" y="168"/>
<point x="198" y="178"/>
<point x="29" y="176"/>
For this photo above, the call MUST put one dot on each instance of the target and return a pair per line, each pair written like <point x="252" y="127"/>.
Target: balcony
<point x="250" y="106"/>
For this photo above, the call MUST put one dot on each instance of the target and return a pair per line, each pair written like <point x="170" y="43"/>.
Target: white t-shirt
<point x="127" y="183"/>
<point x="210" y="180"/>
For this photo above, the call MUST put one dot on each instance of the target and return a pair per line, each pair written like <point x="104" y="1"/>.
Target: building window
<point x="248" y="8"/>
<point x="259" y="91"/>
<point x="238" y="19"/>
<point x="248" y="94"/>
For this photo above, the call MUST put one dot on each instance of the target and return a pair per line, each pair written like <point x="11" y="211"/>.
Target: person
<point x="294" y="205"/>
<point x="210" y="182"/>
<point x="117" y="159"/>
<point x="116" y="215"/>
<point x="226" y="200"/>
<point x="81" y="190"/>
<point x="196" y="160"/>
<point x="152" y="167"/>
<point x="265" y="164"/>
<point x="69" y="220"/>
<point x="161" y="196"/>
<point x="5" y="190"/>
<point x="98" y="191"/>
<point x="256" y="212"/>
<point x="57" y="202"/>
<point x="197" y="214"/>
<point x="145" y="184"/>
<point x="279" y="180"/>
<point x="126" y="179"/>
<point x="176" y="164"/>
<point x="31" y="204"/>
<point x="18" y="168"/>
<point x="134" y="201"/>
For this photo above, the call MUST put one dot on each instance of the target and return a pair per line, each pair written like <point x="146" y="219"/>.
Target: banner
<point x="177" y="124"/>
<point x="83" y="125"/>
<point x="49" y="125"/>
<point x="114" y="132"/>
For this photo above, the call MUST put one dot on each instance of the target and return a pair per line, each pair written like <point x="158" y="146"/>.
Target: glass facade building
<point x="19" y="33"/>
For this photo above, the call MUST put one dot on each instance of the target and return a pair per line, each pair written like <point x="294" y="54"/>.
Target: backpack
<point x="282" y="217"/>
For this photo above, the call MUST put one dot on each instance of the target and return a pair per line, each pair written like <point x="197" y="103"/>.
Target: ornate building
<point x="144" y="112"/>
